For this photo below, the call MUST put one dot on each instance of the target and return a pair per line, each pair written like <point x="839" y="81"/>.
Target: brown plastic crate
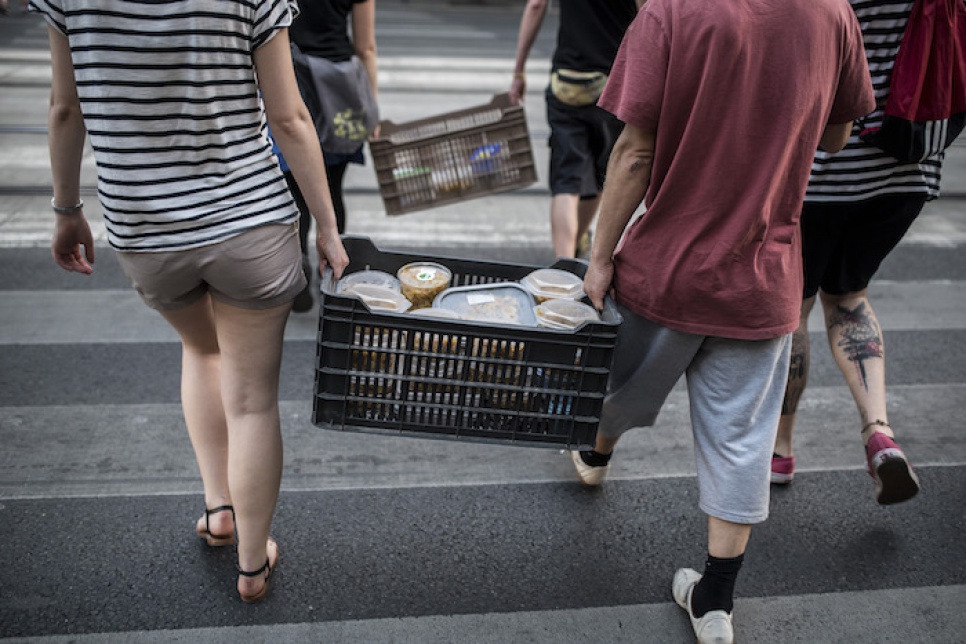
<point x="400" y="374"/>
<point x="453" y="157"/>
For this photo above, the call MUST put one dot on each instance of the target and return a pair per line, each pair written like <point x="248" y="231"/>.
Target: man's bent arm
<point x="628" y="176"/>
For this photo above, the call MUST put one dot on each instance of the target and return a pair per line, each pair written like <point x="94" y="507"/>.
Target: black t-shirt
<point x="590" y="32"/>
<point x="321" y="29"/>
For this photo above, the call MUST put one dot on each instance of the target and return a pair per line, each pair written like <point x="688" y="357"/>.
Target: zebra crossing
<point x="396" y="539"/>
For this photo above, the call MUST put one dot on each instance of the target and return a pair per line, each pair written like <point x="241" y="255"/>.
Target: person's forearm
<point x="65" y="124"/>
<point x="628" y="177"/>
<point x="370" y="61"/>
<point x="66" y="136"/>
<point x="299" y="143"/>
<point x="529" y="27"/>
<point x="364" y="40"/>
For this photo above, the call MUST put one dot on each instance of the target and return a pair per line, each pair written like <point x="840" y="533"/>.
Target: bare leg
<point x="855" y="339"/>
<point x="564" y="211"/>
<point x="586" y="212"/>
<point x="727" y="540"/>
<point x="251" y="350"/>
<point x="201" y="403"/>
<point x="797" y="380"/>
<point x="604" y="445"/>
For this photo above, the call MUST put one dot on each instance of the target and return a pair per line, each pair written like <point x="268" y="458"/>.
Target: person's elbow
<point x="366" y="50"/>
<point x="538" y="6"/>
<point x="634" y="150"/>
<point x="290" y="123"/>
<point x="835" y="136"/>
<point x="64" y="112"/>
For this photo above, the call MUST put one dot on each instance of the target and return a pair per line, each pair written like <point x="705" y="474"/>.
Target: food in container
<point x="506" y="303"/>
<point x="552" y="284"/>
<point x="564" y="314"/>
<point x="421" y="282"/>
<point x="377" y="278"/>
<point x="380" y="298"/>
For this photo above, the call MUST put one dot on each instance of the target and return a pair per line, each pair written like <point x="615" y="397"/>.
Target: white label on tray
<point x="474" y="299"/>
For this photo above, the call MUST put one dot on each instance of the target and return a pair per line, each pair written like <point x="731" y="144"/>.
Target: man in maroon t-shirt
<point x="724" y="105"/>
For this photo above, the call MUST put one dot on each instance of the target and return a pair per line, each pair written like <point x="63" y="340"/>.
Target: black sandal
<point x="217" y="539"/>
<point x="267" y="570"/>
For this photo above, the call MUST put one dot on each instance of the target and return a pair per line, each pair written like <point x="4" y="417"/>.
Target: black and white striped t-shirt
<point x="861" y="171"/>
<point x="174" y="116"/>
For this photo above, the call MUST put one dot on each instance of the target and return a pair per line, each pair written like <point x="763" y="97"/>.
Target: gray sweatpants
<point x="735" y="389"/>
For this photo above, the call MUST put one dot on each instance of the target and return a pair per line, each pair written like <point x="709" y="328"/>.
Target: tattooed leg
<point x="797" y="380"/>
<point x="856" y="341"/>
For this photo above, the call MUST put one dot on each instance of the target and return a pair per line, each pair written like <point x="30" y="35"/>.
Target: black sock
<point x="716" y="589"/>
<point x="595" y="459"/>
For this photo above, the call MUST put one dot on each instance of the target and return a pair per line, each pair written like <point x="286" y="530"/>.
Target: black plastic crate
<point x="453" y="379"/>
<point x="453" y="157"/>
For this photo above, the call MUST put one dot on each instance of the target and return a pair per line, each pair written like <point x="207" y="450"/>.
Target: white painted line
<point x="151" y="454"/>
<point x="892" y="615"/>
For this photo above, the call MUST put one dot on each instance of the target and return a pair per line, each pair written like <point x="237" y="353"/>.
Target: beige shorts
<point x="258" y="269"/>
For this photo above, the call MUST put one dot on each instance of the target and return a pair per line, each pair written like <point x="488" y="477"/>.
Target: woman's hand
<point x="331" y="252"/>
<point x="70" y="233"/>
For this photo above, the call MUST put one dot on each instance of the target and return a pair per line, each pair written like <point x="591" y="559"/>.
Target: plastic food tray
<point x="409" y="375"/>
<point x="453" y="157"/>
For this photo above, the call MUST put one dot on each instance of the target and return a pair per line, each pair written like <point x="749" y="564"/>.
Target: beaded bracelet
<point x="66" y="210"/>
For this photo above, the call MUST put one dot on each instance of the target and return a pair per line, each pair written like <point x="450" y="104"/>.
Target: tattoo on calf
<point x="861" y="339"/>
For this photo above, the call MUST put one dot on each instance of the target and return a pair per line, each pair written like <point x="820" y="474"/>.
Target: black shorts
<point x="843" y="244"/>
<point x="581" y="139"/>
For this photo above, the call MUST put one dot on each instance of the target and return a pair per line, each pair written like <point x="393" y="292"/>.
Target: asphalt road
<point x="396" y="539"/>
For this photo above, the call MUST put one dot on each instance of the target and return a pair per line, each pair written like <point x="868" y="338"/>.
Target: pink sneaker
<point x="895" y="481"/>
<point x="782" y="469"/>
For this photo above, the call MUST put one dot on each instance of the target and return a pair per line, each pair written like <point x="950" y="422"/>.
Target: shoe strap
<point x="246" y="573"/>
<point x="220" y="508"/>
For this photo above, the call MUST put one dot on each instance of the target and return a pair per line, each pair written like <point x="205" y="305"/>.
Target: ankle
<point x="876" y="427"/>
<point x="715" y="591"/>
<point x="593" y="458"/>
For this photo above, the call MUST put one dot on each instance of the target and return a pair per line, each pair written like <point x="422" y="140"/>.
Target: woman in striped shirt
<point x="198" y="211"/>
<point x="859" y="204"/>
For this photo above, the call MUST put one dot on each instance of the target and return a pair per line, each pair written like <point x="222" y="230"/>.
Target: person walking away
<point x="859" y="204"/>
<point x="322" y="30"/>
<point x="200" y="217"/>
<point x="723" y="106"/>
<point x="581" y="134"/>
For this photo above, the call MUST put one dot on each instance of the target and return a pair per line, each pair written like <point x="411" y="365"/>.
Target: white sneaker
<point x="588" y="474"/>
<point x="714" y="627"/>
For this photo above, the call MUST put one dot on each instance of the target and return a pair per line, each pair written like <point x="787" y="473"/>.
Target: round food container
<point x="380" y="298"/>
<point x="564" y="314"/>
<point x="553" y="284"/>
<point x="421" y="282"/>
<point x="376" y="278"/>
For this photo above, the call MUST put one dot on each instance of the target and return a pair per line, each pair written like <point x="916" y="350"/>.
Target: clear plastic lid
<point x="445" y="314"/>
<point x="421" y="282"/>
<point x="564" y="314"/>
<point x="380" y="298"/>
<point x="553" y="283"/>
<point x="377" y="278"/>
<point x="507" y="303"/>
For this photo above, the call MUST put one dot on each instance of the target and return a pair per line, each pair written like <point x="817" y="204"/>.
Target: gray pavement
<point x="395" y="539"/>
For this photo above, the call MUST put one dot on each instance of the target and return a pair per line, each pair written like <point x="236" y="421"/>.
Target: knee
<point x="844" y="300"/>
